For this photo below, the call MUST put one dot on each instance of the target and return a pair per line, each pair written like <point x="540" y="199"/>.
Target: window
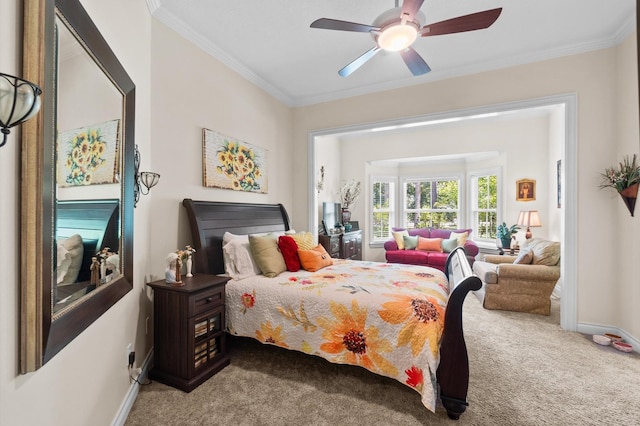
<point x="484" y="205"/>
<point x="431" y="203"/>
<point x="383" y="198"/>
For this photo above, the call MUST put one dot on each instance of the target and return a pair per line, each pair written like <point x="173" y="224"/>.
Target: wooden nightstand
<point x="189" y="337"/>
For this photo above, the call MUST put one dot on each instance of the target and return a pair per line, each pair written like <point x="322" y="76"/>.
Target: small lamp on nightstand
<point x="530" y="219"/>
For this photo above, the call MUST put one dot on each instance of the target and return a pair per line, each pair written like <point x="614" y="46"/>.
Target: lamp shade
<point x="149" y="179"/>
<point x="529" y="218"/>
<point x="19" y="101"/>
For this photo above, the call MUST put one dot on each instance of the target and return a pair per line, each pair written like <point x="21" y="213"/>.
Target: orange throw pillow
<point x="429" y="244"/>
<point x="315" y="259"/>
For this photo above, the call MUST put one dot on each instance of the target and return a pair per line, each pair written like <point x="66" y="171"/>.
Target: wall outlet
<point x="129" y="351"/>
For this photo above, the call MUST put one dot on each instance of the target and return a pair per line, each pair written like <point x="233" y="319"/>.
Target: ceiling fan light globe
<point x="397" y="37"/>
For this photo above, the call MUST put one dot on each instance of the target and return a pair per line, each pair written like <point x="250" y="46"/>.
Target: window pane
<point x="425" y="195"/>
<point x="486" y="224"/>
<point x="381" y="194"/>
<point x="381" y="226"/>
<point x="483" y="193"/>
<point x="445" y="194"/>
<point x="487" y="192"/>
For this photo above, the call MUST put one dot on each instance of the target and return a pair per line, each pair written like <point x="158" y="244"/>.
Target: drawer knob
<point x="209" y="299"/>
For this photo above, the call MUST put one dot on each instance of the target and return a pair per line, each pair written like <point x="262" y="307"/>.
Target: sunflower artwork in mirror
<point x="78" y="207"/>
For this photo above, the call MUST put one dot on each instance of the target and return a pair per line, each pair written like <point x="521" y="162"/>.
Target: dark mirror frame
<point x="42" y="336"/>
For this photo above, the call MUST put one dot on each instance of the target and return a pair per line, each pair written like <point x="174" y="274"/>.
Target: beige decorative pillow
<point x="267" y="255"/>
<point x="304" y="240"/>
<point x="461" y="236"/>
<point x="545" y="252"/>
<point x="398" y="236"/>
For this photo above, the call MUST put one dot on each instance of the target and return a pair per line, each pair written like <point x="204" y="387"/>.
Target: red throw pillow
<point x="289" y="249"/>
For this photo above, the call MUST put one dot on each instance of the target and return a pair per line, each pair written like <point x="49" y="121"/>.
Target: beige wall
<point x="195" y="91"/>
<point x="86" y="383"/>
<point x="626" y="246"/>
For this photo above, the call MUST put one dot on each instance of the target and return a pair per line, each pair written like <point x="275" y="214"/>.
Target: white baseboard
<point x="587" y="328"/>
<point x="126" y="405"/>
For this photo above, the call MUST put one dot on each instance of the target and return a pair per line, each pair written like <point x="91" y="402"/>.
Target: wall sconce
<point x="19" y="101"/>
<point x="147" y="179"/>
<point x="530" y="219"/>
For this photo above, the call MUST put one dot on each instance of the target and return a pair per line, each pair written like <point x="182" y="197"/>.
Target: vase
<point x="189" y="265"/>
<point x="346" y="215"/>
<point x="629" y="196"/>
<point x="506" y="243"/>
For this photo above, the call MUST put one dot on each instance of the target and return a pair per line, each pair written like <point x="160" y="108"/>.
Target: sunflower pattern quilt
<point x="387" y="318"/>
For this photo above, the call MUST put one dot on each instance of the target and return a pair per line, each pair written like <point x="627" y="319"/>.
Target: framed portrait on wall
<point x="525" y="190"/>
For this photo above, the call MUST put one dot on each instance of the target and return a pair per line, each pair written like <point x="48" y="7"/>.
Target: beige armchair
<point x="524" y="286"/>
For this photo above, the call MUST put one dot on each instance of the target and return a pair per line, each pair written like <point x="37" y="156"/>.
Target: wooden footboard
<point x="453" y="371"/>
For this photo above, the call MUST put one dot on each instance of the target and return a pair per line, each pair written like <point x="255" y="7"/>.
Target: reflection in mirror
<point x="77" y="179"/>
<point x="88" y="117"/>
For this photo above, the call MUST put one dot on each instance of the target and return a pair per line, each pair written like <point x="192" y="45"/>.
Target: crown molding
<point x="212" y="49"/>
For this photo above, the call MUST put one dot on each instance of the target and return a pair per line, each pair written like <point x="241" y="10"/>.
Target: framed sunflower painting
<point x="229" y="163"/>
<point x="89" y="155"/>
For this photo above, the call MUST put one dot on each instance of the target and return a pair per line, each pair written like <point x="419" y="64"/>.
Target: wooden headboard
<point x="97" y="222"/>
<point x="209" y="220"/>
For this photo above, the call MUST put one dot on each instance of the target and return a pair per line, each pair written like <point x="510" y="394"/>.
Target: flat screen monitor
<point x="331" y="214"/>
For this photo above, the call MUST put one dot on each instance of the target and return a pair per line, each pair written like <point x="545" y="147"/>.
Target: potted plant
<point x="624" y="179"/>
<point x="504" y="233"/>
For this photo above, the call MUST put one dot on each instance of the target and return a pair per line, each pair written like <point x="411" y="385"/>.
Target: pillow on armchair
<point x="544" y="252"/>
<point x="524" y="258"/>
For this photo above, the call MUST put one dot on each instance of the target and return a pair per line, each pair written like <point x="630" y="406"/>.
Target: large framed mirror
<point x="77" y="180"/>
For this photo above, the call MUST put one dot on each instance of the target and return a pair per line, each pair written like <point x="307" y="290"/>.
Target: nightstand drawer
<point x="205" y="300"/>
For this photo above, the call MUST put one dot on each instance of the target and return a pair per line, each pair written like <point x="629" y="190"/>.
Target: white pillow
<point x="74" y="248"/>
<point x="63" y="262"/>
<point x="238" y="261"/>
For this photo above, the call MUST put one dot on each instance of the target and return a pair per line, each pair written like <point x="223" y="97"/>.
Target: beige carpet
<point x="524" y="371"/>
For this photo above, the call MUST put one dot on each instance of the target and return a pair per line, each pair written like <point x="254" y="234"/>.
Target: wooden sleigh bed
<point x="209" y="221"/>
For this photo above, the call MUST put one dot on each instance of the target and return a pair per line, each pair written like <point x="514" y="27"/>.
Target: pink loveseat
<point x="434" y="259"/>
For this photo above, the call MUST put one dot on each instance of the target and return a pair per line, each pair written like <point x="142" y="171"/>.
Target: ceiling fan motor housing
<point x="393" y="34"/>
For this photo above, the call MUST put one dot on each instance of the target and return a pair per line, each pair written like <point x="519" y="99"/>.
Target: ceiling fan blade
<point x="414" y="61"/>
<point x="334" y="24"/>
<point x="474" y="21"/>
<point x="357" y="63"/>
<point x="410" y="8"/>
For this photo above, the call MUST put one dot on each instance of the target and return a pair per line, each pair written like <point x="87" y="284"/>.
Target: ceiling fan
<point x="396" y="29"/>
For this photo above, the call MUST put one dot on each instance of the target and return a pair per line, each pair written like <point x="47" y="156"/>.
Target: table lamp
<point x="530" y="219"/>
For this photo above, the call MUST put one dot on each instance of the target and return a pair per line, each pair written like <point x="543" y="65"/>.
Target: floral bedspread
<point x="388" y="318"/>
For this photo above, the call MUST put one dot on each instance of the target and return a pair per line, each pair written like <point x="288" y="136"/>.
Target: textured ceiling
<point x="271" y="44"/>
